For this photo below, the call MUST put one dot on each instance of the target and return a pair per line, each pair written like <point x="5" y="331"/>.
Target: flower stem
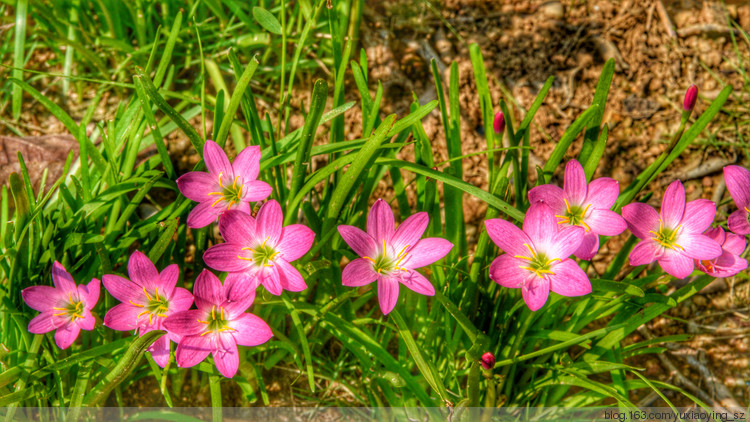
<point x="214" y="383"/>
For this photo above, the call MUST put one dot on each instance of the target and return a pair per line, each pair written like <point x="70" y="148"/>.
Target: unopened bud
<point x="488" y="361"/>
<point x="499" y="124"/>
<point x="691" y="96"/>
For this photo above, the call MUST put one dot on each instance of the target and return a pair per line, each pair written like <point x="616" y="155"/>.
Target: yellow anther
<point x="385" y="251"/>
<point x="369" y="259"/>
<point x="523" y="257"/>
<point x="220" y="184"/>
<point x="567" y="206"/>
<point x="157" y="294"/>
<point x="136" y="304"/>
<point x="530" y="250"/>
<point x="213" y="312"/>
<point x="221" y="308"/>
<point x="217" y="201"/>
<point x="141" y="314"/>
<point x="588" y="229"/>
<point x="203" y="322"/>
<point x="147" y="295"/>
<point x="60" y="314"/>
<point x="60" y="309"/>
<point x="245" y="258"/>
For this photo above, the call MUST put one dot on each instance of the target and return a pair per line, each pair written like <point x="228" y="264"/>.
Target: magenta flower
<point x="584" y="205"/>
<point x="148" y="298"/>
<point x="738" y="182"/>
<point x="216" y="327"/>
<point x="536" y="259"/>
<point x="691" y="96"/>
<point x="674" y="236"/>
<point x="65" y="307"/>
<point x="259" y="251"/>
<point x="225" y="185"/>
<point x="499" y="124"/>
<point x="391" y="256"/>
<point x="729" y="263"/>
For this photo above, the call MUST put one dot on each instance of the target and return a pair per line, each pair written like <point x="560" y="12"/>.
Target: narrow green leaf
<point x="267" y="20"/>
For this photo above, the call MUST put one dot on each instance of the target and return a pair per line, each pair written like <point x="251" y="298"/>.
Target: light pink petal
<point x="192" y="350"/>
<point x="676" y="264"/>
<point x="603" y="193"/>
<point x="716" y="233"/>
<point x="410" y="231"/>
<point x="507" y="236"/>
<point x="416" y="282"/>
<point x="535" y="292"/>
<point x="240" y="285"/>
<point x="142" y="271"/>
<point x="645" y="252"/>
<point x="564" y="243"/>
<point x="198" y="185"/>
<point x="569" y="279"/>
<point x="44" y="323"/>
<point x="243" y="206"/>
<point x="66" y="335"/>
<point x="729" y="266"/>
<point x="606" y="222"/>
<point x="641" y="219"/>
<point x="251" y="330"/>
<point x="61" y="279"/>
<point x="575" y="183"/>
<point x="540" y="224"/>
<point x="271" y="280"/>
<point x="90" y="292"/>
<point x="123" y="289"/>
<point x="237" y="227"/>
<point x="380" y="222"/>
<point x="43" y="298"/>
<point x="699" y="215"/>
<point x="738" y="223"/>
<point x="295" y="241"/>
<point x="255" y="190"/>
<point x="507" y="272"/>
<point x="738" y="183"/>
<point x="217" y="161"/>
<point x="427" y="251"/>
<point x="186" y="323"/>
<point x="247" y="163"/>
<point x="358" y="273"/>
<point x="202" y="215"/>
<point x="181" y="300"/>
<point x="673" y="204"/>
<point x="168" y="277"/>
<point x="269" y="221"/>
<point x="228" y="257"/>
<point x="734" y="244"/>
<point x="548" y="194"/>
<point x="699" y="246"/>
<point x="226" y="358"/>
<point x="589" y="247"/>
<point x="88" y="322"/>
<point x="122" y="317"/>
<point x="360" y="242"/>
<point x="387" y="294"/>
<point x="289" y="278"/>
<point x="208" y="291"/>
<point x="160" y="351"/>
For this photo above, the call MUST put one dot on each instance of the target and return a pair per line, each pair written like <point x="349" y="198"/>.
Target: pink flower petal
<point x="42" y="298"/>
<point x="717" y="234"/>
<point x="202" y="215"/>
<point x="255" y="190"/>
<point x="416" y="282"/>
<point x="240" y="285"/>
<point x="507" y="236"/>
<point x="247" y="163"/>
<point x="734" y="244"/>
<point x="676" y="264"/>
<point x="181" y="300"/>
<point x="645" y="252"/>
<point x="387" y="294"/>
<point x="540" y="224"/>
<point x="535" y="293"/>
<point x="410" y="231"/>
<point x="699" y="246"/>
<point x="738" y="183"/>
<point x="289" y="278"/>
<point x="44" y="323"/>
<point x="160" y="351"/>
<point x="427" y="251"/>
<point x="606" y="222"/>
<point x="198" y="185"/>
<point x="61" y="279"/>
<point x="228" y="257"/>
<point x="237" y="227"/>
<point x="673" y="204"/>
<point x="271" y="280"/>
<point x="575" y="186"/>
<point x="548" y="194"/>
<point x="569" y="279"/>
<point x="564" y="243"/>
<point x="185" y="323"/>
<point x="358" y="273"/>
<point x="251" y="330"/>
<point x="192" y="350"/>
<point x="226" y="358"/>
<point x="738" y="223"/>
<point x="217" y="161"/>
<point x="208" y="291"/>
<point x="603" y="193"/>
<point x="123" y="289"/>
<point x="168" y="277"/>
<point x="589" y="247"/>
<point x="66" y="335"/>
<point x="360" y="242"/>
<point x="269" y="221"/>
<point x="507" y="272"/>
<point x="641" y="219"/>
<point x="122" y="317"/>
<point x="142" y="271"/>
<point x="90" y="292"/>
<point x="380" y="222"/>
<point x="699" y="215"/>
<point x="88" y="322"/>
<point x="296" y="240"/>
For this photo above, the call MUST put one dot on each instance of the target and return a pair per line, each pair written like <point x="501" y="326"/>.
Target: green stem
<point x="473" y="385"/>
<point x="214" y="383"/>
<point x="514" y="350"/>
<point x="30" y="359"/>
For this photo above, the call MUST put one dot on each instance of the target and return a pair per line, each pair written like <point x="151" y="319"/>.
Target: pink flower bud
<point x="499" y="124"/>
<point x="488" y="359"/>
<point x="691" y="95"/>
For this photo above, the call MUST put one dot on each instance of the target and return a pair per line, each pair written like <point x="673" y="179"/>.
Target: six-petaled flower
<point x="730" y="262"/>
<point x="738" y="183"/>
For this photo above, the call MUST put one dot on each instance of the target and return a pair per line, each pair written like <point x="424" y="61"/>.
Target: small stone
<point x="552" y="9"/>
<point x="700" y="300"/>
<point x="707" y="181"/>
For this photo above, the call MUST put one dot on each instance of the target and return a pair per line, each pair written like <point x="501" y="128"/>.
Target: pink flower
<point x="499" y="124"/>
<point x="488" y="361"/>
<point x="536" y="259"/>
<point x="729" y="262"/>
<point x="674" y="236"/>
<point x="691" y="96"/>
<point x="259" y="251"/>
<point x="148" y="298"/>
<point x="738" y="182"/>
<point x="391" y="256"/>
<point x="584" y="205"/>
<point x="65" y="307"/>
<point x="225" y="185"/>
<point x="216" y="327"/>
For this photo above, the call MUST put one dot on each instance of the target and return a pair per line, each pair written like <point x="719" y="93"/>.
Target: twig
<point x="665" y="19"/>
<point x="709" y="30"/>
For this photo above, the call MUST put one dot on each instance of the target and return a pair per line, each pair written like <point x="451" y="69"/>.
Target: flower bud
<point x="488" y="359"/>
<point x="499" y="124"/>
<point x="691" y="95"/>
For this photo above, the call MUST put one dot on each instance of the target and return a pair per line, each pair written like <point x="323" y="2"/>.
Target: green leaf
<point x="267" y="20"/>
